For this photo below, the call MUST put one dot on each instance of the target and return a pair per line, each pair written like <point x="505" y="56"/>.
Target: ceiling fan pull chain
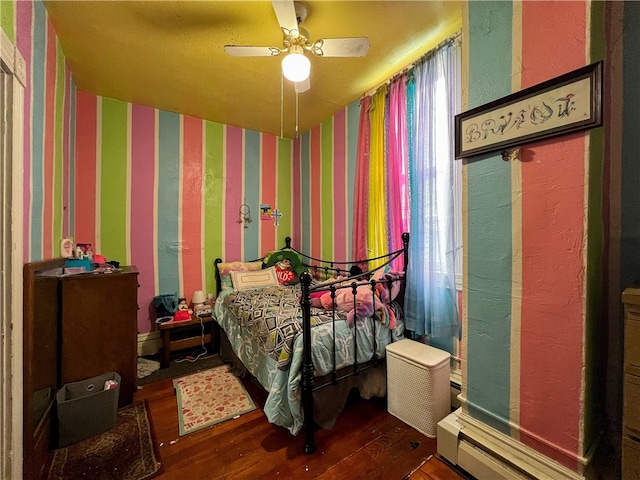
<point x="296" y="47"/>
<point x="281" y="105"/>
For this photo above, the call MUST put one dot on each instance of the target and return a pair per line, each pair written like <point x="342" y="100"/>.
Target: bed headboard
<point x="346" y="268"/>
<point x="217" y="273"/>
<point x="333" y="268"/>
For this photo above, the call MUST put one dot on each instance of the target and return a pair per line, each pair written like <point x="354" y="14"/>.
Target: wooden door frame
<point x="11" y="259"/>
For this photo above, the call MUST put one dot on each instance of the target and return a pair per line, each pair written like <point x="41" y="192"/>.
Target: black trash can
<point x="87" y="408"/>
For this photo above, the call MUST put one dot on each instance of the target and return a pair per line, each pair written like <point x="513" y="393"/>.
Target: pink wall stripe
<point x="24" y="41"/>
<point x="340" y="203"/>
<point x="233" y="196"/>
<point x="315" y="159"/>
<point x="49" y="132"/>
<point x="553" y="182"/>
<point x="191" y="225"/>
<point x="143" y="131"/>
<point x="86" y="136"/>
<point x="269" y="175"/>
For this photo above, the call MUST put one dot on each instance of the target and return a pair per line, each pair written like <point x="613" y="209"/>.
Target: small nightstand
<point x="185" y="334"/>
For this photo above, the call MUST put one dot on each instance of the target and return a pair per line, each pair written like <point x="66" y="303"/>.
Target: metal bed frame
<point x="309" y="382"/>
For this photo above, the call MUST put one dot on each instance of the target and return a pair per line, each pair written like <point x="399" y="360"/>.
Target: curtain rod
<point x="410" y="67"/>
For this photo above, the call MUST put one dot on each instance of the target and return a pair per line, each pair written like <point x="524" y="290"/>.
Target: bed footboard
<point x="307" y="364"/>
<point x="362" y="313"/>
<point x="308" y="381"/>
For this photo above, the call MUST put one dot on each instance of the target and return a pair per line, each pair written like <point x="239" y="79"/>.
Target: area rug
<point x="128" y="451"/>
<point x="209" y="397"/>
<point x="146" y="367"/>
<point x="180" y="369"/>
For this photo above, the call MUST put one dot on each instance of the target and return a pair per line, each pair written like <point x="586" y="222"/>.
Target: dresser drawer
<point x="632" y="338"/>
<point x="632" y="403"/>
<point x="630" y="459"/>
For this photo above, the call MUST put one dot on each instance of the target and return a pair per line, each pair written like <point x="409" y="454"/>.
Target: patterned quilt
<point x="274" y="317"/>
<point x="284" y="401"/>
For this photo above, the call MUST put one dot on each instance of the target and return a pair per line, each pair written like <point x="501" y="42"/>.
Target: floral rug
<point x="209" y="397"/>
<point x="128" y="451"/>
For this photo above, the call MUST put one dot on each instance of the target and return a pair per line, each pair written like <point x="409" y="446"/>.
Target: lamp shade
<point x="296" y="66"/>
<point x="198" y="297"/>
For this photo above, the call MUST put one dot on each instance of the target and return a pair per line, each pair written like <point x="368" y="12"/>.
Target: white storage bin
<point x="418" y="390"/>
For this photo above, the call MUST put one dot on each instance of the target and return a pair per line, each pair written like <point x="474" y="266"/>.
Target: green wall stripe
<point x="7" y="15"/>
<point x="213" y="197"/>
<point x="284" y="189"/>
<point x="305" y="204"/>
<point x="326" y="201"/>
<point x="597" y="45"/>
<point x="489" y="224"/>
<point x="595" y="330"/>
<point x="113" y="181"/>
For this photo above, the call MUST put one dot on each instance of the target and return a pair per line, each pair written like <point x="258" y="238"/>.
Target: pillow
<point x="225" y="270"/>
<point x="258" y="279"/>
<point x="287" y="264"/>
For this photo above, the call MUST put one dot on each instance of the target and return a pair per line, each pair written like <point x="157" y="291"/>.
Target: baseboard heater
<point x="491" y="455"/>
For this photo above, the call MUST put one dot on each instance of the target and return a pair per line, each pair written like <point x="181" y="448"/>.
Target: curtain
<point x="361" y="188"/>
<point x="431" y="296"/>
<point x="397" y="167"/>
<point x="377" y="221"/>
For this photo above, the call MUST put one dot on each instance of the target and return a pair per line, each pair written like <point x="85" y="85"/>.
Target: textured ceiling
<point x="170" y="54"/>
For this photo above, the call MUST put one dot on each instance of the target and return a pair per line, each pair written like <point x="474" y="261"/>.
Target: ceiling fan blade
<point x="249" y="51"/>
<point x="302" y="86"/>
<point x="341" y="47"/>
<point x="286" y="13"/>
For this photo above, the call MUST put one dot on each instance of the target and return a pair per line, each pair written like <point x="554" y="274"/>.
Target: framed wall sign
<point x="568" y="103"/>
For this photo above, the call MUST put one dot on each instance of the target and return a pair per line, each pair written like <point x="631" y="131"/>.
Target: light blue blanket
<point x="284" y="406"/>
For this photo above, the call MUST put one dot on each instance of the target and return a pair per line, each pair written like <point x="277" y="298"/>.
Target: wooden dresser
<point x="631" y="396"/>
<point x="98" y="334"/>
<point x="75" y="327"/>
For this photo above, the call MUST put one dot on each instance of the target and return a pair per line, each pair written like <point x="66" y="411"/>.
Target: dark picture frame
<point x="568" y="103"/>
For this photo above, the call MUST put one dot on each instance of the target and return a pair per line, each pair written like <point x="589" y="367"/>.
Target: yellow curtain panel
<point x="377" y="228"/>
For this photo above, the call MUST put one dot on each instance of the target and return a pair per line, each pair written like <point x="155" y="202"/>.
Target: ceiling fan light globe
<point x="296" y="67"/>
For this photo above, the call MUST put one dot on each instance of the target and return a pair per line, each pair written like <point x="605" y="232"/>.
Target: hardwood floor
<point x="366" y="442"/>
<point x="435" y="468"/>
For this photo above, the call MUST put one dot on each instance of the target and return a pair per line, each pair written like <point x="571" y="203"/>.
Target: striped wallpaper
<point x="49" y="119"/>
<point x="528" y="238"/>
<point x="327" y="176"/>
<point x="164" y="191"/>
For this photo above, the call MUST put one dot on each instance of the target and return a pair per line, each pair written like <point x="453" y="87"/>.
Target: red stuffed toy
<point x="284" y="272"/>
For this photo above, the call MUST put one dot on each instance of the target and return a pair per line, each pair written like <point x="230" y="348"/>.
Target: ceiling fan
<point x="296" y="43"/>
